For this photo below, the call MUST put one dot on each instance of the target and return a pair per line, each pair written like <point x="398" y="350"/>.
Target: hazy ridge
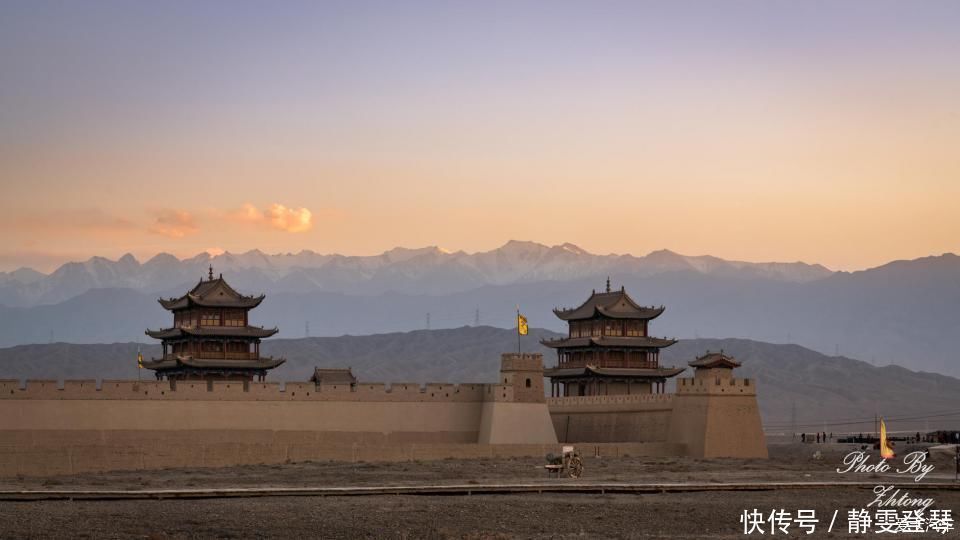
<point x="819" y="388"/>
<point x="903" y="312"/>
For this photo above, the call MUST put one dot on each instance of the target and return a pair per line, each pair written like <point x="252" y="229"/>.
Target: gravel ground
<point x="788" y="462"/>
<point x="670" y="515"/>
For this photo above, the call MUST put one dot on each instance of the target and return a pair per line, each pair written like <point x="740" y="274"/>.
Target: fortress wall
<point x="716" y="385"/>
<point x="717" y="419"/>
<point x="59" y="454"/>
<point x="516" y="423"/>
<point x="619" y="418"/>
<point x="250" y="391"/>
<point x="498" y="392"/>
<point x="457" y="421"/>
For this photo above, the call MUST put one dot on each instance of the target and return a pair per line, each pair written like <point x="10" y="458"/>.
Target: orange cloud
<point x="289" y="219"/>
<point x="174" y="224"/>
<point x="278" y="216"/>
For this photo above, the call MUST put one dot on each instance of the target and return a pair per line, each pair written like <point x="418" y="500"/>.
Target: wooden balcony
<point x="609" y="363"/>
<point x="216" y="355"/>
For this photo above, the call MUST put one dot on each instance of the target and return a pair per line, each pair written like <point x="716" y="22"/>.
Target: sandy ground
<point x="670" y="515"/>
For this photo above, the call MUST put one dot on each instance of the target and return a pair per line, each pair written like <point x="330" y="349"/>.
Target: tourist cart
<point x="569" y="463"/>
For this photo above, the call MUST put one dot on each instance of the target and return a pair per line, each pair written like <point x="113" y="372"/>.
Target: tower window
<point x="528" y="383"/>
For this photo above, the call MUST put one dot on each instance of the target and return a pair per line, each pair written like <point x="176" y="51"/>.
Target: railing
<point x="212" y="355"/>
<point x="610" y="399"/>
<point x="608" y="363"/>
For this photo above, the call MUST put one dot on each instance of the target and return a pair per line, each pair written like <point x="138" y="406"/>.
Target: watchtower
<point x="714" y="413"/>
<point x="524" y="372"/>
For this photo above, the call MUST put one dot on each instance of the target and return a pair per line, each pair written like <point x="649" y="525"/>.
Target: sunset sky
<point x="827" y="132"/>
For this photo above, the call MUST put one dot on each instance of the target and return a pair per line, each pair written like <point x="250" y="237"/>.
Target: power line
<point x="865" y="421"/>
<point x="859" y="418"/>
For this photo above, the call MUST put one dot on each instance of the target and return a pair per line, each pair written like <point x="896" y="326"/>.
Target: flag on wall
<point x="139" y="359"/>
<point x="522" y="324"/>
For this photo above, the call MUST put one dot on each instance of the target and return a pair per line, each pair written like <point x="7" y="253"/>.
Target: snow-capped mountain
<point x="429" y="270"/>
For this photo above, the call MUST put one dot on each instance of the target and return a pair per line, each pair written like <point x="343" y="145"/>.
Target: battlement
<point x="521" y="362"/>
<point x="248" y="391"/>
<point x="716" y="386"/>
<point x="608" y="400"/>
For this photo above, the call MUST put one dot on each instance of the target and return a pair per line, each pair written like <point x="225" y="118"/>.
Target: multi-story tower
<point x="608" y="349"/>
<point x="211" y="337"/>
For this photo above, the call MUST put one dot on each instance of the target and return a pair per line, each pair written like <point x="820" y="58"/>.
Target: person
<point x="818" y="437"/>
<point x="803" y="437"/>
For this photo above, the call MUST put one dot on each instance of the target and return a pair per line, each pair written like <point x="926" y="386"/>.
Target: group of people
<point x="821" y="437"/>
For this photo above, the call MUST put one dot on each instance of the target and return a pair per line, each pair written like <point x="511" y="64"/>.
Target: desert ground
<point x="699" y="514"/>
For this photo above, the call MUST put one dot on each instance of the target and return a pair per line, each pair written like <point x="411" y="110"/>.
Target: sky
<point x="827" y="132"/>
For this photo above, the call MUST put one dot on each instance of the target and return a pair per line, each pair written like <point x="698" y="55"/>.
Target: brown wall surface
<point x="51" y="453"/>
<point x="717" y="419"/>
<point x="412" y="421"/>
<point x="516" y="423"/>
<point x="619" y="418"/>
<point x="237" y="391"/>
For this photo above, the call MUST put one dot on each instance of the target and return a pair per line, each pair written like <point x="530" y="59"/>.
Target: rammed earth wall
<point x="47" y="428"/>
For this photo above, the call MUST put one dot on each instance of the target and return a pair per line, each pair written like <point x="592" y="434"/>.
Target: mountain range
<point x="903" y="312"/>
<point x="429" y="270"/>
<point x="796" y="386"/>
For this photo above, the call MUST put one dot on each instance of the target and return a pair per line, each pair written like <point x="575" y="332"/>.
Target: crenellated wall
<point x="711" y="415"/>
<point x="716" y="415"/>
<point x="242" y="418"/>
<point x="251" y="391"/>
<point x="49" y="427"/>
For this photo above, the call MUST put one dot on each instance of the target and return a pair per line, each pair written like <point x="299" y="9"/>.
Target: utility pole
<point x="306" y="329"/>
<point x="476" y="317"/>
<point x="793" y="420"/>
<point x="428" y="320"/>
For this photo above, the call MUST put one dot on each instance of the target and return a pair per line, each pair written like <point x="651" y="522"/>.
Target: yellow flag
<point x="886" y="451"/>
<point x="522" y="325"/>
<point x="139" y="359"/>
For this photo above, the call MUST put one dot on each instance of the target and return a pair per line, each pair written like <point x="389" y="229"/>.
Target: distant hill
<point x="904" y="312"/>
<point x="791" y="378"/>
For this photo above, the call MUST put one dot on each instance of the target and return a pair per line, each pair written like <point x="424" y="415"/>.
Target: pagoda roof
<point x="614" y="305"/>
<point x="190" y="361"/>
<point x="659" y="372"/>
<point x="333" y="376"/>
<point x="715" y="359"/>
<point x="213" y="331"/>
<point x="213" y="292"/>
<point x="609" y="341"/>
